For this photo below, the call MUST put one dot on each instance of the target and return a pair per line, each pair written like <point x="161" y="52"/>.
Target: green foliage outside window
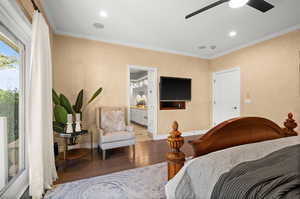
<point x="9" y="103"/>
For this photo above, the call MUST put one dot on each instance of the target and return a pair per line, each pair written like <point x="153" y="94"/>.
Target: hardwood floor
<point x="146" y="153"/>
<point x="141" y="133"/>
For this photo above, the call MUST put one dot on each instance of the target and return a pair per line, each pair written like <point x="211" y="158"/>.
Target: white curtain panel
<point x="42" y="170"/>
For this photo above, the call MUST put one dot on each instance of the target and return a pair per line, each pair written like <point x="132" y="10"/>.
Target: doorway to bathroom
<point x="142" y="101"/>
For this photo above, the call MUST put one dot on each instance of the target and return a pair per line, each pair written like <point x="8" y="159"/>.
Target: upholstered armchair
<point x="114" y="132"/>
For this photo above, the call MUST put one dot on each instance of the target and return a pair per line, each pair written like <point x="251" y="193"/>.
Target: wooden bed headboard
<point x="233" y="132"/>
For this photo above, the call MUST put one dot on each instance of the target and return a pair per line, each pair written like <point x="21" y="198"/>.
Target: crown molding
<point x="225" y="52"/>
<point x="94" y="38"/>
<point x="48" y="15"/>
<point x="265" y="38"/>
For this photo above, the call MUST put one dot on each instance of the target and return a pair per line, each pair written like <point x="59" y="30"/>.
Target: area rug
<point x="140" y="183"/>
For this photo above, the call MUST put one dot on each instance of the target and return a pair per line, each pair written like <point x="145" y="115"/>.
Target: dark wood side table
<point x="75" y="153"/>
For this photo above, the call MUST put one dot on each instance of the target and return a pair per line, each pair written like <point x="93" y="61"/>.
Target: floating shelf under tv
<point x="172" y="105"/>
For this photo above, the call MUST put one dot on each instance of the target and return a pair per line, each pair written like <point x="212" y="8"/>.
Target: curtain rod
<point x="35" y="6"/>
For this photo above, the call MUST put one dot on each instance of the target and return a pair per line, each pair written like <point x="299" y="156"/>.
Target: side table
<point x="72" y="154"/>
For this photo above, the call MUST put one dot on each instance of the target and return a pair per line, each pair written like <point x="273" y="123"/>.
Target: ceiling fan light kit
<point x="260" y="5"/>
<point x="103" y="14"/>
<point x="237" y="3"/>
<point x="232" y="33"/>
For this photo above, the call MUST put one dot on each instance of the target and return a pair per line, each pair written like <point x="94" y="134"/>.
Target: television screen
<point x="175" y="89"/>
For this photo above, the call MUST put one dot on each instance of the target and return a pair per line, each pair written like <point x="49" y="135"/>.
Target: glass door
<point x="12" y="147"/>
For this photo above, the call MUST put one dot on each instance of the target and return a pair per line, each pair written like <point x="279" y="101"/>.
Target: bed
<point x="221" y="149"/>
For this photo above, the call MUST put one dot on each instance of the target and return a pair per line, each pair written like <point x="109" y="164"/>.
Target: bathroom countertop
<point x="139" y="107"/>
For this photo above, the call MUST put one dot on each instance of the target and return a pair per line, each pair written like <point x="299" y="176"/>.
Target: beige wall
<point x="80" y="63"/>
<point x="269" y="76"/>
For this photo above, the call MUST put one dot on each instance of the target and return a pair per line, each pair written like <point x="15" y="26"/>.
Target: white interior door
<point x="226" y="90"/>
<point x="152" y="100"/>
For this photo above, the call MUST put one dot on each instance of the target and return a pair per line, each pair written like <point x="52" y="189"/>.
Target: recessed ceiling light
<point x="237" y="3"/>
<point x="103" y="14"/>
<point x="98" y="25"/>
<point x="232" y="33"/>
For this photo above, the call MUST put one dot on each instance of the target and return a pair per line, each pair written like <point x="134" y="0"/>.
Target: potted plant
<point x="62" y="107"/>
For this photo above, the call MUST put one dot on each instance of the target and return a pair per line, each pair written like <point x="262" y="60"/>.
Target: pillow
<point x="113" y="121"/>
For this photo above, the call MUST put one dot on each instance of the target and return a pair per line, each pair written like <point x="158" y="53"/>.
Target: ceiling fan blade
<point x="260" y="5"/>
<point x="206" y="8"/>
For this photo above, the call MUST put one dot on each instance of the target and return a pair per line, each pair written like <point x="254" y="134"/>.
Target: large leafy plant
<point x="63" y="107"/>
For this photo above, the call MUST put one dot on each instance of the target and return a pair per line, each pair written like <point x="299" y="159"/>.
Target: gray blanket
<point x="275" y="176"/>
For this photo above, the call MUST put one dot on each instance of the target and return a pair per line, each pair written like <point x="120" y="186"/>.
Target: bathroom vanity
<point x="139" y="115"/>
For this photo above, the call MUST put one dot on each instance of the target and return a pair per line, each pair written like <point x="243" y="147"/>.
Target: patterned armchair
<point x="111" y="123"/>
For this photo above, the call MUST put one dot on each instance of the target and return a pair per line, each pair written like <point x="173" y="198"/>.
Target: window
<point x="12" y="147"/>
<point x="15" y="38"/>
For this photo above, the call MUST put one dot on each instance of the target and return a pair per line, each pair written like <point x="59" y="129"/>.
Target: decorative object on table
<point x="69" y="124"/>
<point x="62" y="107"/>
<point x="141" y="99"/>
<point x="77" y="123"/>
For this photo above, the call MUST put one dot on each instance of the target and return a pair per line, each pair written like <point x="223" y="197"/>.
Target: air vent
<point x="98" y="25"/>
<point x="213" y="47"/>
<point x="201" y="47"/>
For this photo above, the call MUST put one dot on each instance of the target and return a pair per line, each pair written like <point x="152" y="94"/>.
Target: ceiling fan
<point x="260" y="5"/>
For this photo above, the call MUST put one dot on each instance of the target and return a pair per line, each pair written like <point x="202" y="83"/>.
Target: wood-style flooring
<point x="141" y="133"/>
<point x="146" y="153"/>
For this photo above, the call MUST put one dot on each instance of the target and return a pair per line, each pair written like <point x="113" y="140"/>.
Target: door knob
<point x="235" y="107"/>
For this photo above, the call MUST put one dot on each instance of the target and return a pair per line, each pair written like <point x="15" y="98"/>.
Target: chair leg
<point x="98" y="148"/>
<point x="103" y="154"/>
<point x="133" y="151"/>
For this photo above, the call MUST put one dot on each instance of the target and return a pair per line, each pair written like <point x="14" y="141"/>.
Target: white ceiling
<point x="160" y="24"/>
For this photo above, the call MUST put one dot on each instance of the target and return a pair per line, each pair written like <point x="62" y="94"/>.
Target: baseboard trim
<point x="154" y="137"/>
<point x="81" y="145"/>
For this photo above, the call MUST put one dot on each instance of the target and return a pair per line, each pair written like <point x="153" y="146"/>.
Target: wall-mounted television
<point x="175" y="89"/>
